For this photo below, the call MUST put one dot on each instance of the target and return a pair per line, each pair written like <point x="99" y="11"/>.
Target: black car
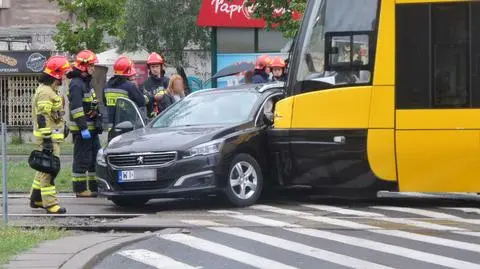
<point x="213" y="141"/>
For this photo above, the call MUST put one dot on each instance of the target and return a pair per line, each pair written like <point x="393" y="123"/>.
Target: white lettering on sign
<point x="222" y="6"/>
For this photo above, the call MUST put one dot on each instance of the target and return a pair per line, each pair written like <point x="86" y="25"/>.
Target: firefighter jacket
<point x="47" y="114"/>
<point x="259" y="77"/>
<point x="121" y="87"/>
<point x="153" y="84"/>
<point x="83" y="103"/>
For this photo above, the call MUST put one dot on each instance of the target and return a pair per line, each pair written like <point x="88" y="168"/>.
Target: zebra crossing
<point x="312" y="236"/>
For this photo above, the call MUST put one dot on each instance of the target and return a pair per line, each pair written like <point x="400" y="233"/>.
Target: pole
<point x="214" y="55"/>
<point x="4" y="172"/>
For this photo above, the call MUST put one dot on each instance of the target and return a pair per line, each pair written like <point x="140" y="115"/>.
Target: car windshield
<point x="209" y="109"/>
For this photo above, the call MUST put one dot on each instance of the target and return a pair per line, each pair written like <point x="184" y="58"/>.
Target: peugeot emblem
<point x="140" y="160"/>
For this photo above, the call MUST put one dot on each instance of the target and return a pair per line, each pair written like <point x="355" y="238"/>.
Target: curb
<point x="89" y="257"/>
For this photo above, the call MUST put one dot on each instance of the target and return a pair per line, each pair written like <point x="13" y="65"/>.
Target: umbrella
<point x="234" y="69"/>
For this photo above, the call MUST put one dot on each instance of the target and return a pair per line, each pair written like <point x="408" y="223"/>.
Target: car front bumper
<point x="185" y="177"/>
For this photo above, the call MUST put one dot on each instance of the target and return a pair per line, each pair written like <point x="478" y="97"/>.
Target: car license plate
<point x="137" y="175"/>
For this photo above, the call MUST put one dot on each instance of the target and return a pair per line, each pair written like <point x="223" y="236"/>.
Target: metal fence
<point x="16" y="96"/>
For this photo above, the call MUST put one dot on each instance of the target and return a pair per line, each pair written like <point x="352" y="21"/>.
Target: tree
<point x="278" y="14"/>
<point x="166" y="26"/>
<point x="90" y="21"/>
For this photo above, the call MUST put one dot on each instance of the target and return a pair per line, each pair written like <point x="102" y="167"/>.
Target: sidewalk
<point x="78" y="251"/>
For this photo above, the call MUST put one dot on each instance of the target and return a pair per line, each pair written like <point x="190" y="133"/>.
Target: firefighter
<point x="156" y="84"/>
<point x="278" y="69"/>
<point x="121" y="85"/>
<point x="85" y="124"/>
<point x="261" y="73"/>
<point x="49" y="131"/>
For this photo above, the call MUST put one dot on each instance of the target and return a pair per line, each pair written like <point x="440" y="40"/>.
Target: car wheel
<point x="244" y="181"/>
<point x="130" y="202"/>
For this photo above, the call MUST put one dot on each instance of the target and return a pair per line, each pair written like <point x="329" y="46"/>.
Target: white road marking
<point x="465" y="209"/>
<point x="257" y="219"/>
<point x="388" y="248"/>
<point x="300" y="248"/>
<point x="343" y="211"/>
<point x="395" y="233"/>
<point x="350" y="240"/>
<point x="201" y="222"/>
<point x="428" y="213"/>
<point x="282" y="211"/>
<point x="154" y="259"/>
<point x="225" y="251"/>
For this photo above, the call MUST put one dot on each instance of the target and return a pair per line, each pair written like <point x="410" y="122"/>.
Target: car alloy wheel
<point x="244" y="181"/>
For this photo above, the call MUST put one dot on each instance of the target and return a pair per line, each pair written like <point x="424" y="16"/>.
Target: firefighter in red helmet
<point x="278" y="69"/>
<point x="122" y="85"/>
<point x="156" y="84"/>
<point x="261" y="73"/>
<point x="49" y="130"/>
<point x="85" y="124"/>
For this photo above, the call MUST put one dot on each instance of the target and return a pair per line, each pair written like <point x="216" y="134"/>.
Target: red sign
<point x="230" y="13"/>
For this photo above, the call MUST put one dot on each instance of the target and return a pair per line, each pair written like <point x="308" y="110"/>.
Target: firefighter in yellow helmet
<point x="49" y="131"/>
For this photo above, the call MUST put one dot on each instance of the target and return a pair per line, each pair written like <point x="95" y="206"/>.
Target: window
<point x="270" y="41"/>
<point x="433" y="56"/>
<point x="339" y="43"/>
<point x="209" y="108"/>
<point x="4" y="3"/>
<point x="475" y="56"/>
<point x="235" y="40"/>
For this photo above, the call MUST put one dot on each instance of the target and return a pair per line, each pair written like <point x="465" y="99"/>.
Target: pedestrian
<point x="174" y="92"/>
<point x="85" y="124"/>
<point x="122" y="85"/>
<point x="49" y="130"/>
<point x="278" y="69"/>
<point x="261" y="73"/>
<point x="156" y="83"/>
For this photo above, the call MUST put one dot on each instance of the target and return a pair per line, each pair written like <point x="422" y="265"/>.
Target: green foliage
<point x="287" y="25"/>
<point x="17" y="140"/>
<point x="165" y="26"/>
<point x="16" y="240"/>
<point x="94" y="19"/>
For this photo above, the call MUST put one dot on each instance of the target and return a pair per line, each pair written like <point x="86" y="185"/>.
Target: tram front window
<point x="338" y="42"/>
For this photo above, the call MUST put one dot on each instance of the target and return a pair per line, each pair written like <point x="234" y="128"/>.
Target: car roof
<point x="259" y="88"/>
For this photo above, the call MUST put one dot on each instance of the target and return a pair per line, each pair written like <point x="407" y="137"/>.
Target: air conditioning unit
<point x="4" y="3"/>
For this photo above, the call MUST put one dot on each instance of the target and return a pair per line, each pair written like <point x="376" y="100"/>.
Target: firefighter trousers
<point x="84" y="158"/>
<point x="43" y="192"/>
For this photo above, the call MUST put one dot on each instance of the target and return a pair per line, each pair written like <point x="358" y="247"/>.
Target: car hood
<point x="166" y="139"/>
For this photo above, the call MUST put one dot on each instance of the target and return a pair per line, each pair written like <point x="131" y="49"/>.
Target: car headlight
<point x="101" y="158"/>
<point x="204" y="149"/>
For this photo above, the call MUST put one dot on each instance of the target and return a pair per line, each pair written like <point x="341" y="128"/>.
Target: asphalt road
<point x="402" y="231"/>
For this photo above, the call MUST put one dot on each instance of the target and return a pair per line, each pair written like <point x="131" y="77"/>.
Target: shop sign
<point x="231" y="13"/>
<point x="12" y="62"/>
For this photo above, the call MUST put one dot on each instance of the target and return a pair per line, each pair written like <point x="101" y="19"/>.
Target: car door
<point x="127" y="118"/>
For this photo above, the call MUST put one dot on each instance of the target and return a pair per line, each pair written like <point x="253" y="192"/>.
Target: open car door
<point x="127" y="118"/>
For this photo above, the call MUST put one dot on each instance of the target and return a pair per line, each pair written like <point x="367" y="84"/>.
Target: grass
<point x="20" y="177"/>
<point x="13" y="241"/>
<point x="26" y="148"/>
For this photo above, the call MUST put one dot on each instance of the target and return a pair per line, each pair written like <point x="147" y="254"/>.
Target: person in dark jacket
<point x="261" y="74"/>
<point x="174" y="93"/>
<point x="157" y="82"/>
<point x="85" y="124"/>
<point x="121" y="85"/>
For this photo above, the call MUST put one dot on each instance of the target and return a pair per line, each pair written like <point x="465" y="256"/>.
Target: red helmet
<point x="263" y="61"/>
<point x="85" y="58"/>
<point x="57" y="66"/>
<point x="155" y="58"/>
<point x="124" y="67"/>
<point x="277" y="62"/>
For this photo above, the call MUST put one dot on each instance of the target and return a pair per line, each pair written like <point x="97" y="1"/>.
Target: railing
<point x="16" y="100"/>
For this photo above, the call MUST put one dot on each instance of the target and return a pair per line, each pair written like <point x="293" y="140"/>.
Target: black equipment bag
<point x="44" y="162"/>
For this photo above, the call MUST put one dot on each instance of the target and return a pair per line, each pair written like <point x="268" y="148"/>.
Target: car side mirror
<point x="124" y="127"/>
